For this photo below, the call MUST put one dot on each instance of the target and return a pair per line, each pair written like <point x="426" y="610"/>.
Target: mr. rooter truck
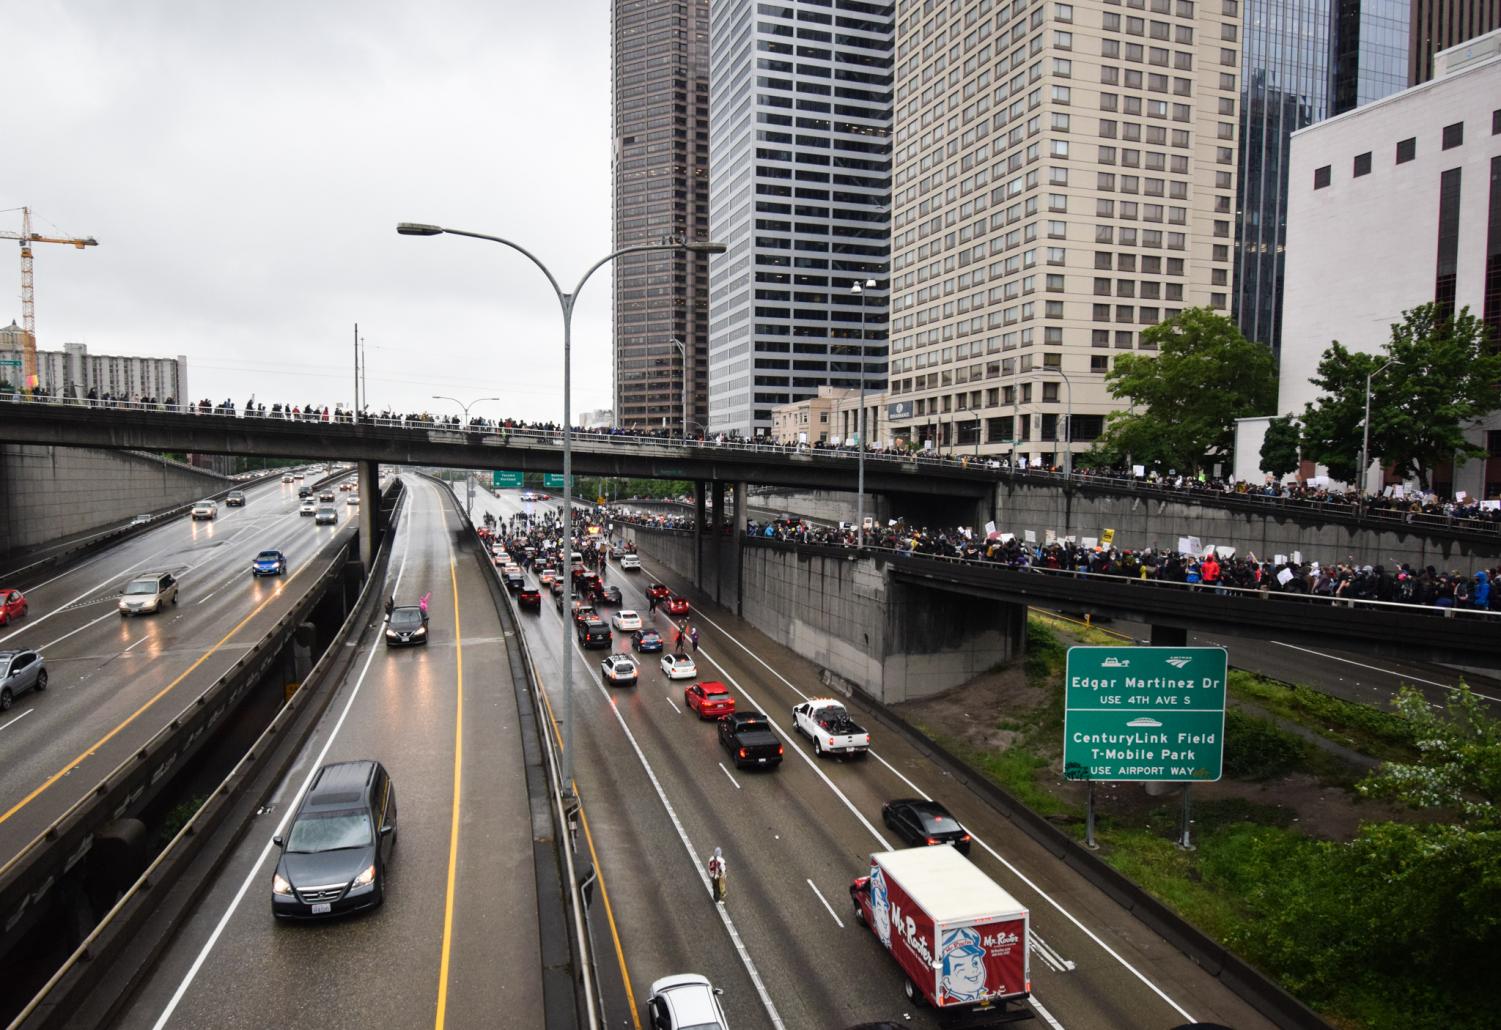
<point x="960" y="938"/>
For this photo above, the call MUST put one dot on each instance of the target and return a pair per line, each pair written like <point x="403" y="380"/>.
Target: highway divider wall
<point x="122" y="948"/>
<point x="51" y="492"/>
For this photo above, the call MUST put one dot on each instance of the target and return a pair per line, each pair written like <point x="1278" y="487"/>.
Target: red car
<point x="678" y="606"/>
<point x="710" y="699"/>
<point x="530" y="598"/>
<point x="12" y="605"/>
<point x="658" y="592"/>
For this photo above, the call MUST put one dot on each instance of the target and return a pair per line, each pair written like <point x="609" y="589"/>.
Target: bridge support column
<point x="1169" y="636"/>
<point x="737" y="538"/>
<point x="716" y="539"/>
<point x="698" y="532"/>
<point x="369" y="483"/>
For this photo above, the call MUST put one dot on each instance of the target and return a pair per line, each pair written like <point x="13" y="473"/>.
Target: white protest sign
<point x="1298" y="557"/>
<point x="1088" y="542"/>
<point x="1139" y="471"/>
<point x="1460" y="495"/>
<point x="1284" y="576"/>
<point x="1279" y="559"/>
<point x="1029" y="536"/>
<point x="1187" y="545"/>
<point x="989" y="530"/>
<point x="1223" y="551"/>
<point x="1050" y="536"/>
<point x="1006" y="538"/>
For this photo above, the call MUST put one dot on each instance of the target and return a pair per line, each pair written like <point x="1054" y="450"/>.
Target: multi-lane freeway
<point x="113" y="681"/>
<point x="457" y="934"/>
<point x="659" y="795"/>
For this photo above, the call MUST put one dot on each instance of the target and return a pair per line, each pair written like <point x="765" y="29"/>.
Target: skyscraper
<point x="1065" y="177"/>
<point x="800" y="180"/>
<point x="661" y="169"/>
<point x="1441" y="24"/>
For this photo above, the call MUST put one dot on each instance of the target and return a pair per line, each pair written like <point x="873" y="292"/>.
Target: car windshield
<point x="315" y="833"/>
<point x="937" y="822"/>
<point x="144" y="586"/>
<point x="267" y="556"/>
<point x="406" y="618"/>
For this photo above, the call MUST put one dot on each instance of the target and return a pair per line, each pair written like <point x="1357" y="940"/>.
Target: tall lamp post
<point x="468" y="479"/>
<point x="1068" y="421"/>
<point x="683" y="350"/>
<point x="1365" y="437"/>
<point x="859" y="293"/>
<point x="566" y="302"/>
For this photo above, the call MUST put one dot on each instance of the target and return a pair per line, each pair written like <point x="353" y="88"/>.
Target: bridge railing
<point x="993" y="469"/>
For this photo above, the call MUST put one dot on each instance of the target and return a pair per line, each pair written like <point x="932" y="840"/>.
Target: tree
<point x="1459" y="760"/>
<point x="1279" y="448"/>
<point x="1185" y="400"/>
<point x="1443" y="375"/>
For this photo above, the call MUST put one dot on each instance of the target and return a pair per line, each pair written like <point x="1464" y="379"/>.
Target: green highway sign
<point x="1144" y="713"/>
<point x="553" y="480"/>
<point x="11" y="362"/>
<point x="505" y="480"/>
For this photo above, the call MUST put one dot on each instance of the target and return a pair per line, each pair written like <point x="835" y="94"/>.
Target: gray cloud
<point x="243" y="166"/>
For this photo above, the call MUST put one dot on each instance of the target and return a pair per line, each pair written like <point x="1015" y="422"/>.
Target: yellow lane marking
<point x="453" y="833"/>
<point x="599" y="874"/>
<point x="49" y="781"/>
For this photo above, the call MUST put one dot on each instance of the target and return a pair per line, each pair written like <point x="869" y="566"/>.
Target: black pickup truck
<point x="748" y="737"/>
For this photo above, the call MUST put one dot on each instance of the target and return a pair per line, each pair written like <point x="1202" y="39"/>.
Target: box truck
<point x="958" y="936"/>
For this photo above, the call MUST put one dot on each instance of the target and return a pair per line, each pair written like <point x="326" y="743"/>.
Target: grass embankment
<point x="1353" y="925"/>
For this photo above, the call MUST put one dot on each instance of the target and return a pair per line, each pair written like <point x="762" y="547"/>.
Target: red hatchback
<point x="658" y="592"/>
<point x="12" y="605"/>
<point x="710" y="699"/>
<point x="677" y="606"/>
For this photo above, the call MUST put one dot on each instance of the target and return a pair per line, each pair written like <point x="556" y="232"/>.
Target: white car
<point x="824" y="721"/>
<point x="308" y="507"/>
<point x="354" y="499"/>
<point x="205" y="510"/>
<point x="546" y="576"/>
<point x="679" y="667"/>
<point x="685" y="1000"/>
<point x="619" y="670"/>
<point x="625" y="619"/>
<point x="630" y="562"/>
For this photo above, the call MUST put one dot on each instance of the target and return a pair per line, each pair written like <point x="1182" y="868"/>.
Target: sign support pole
<point x="1185" y="842"/>
<point x="1089" y="841"/>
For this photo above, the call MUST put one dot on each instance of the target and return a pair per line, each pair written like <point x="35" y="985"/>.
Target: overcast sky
<point x="243" y="166"/>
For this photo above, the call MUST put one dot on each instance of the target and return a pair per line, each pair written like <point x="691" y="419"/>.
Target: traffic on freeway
<point x="786" y="946"/>
<point x="417" y="837"/>
<point x="128" y="638"/>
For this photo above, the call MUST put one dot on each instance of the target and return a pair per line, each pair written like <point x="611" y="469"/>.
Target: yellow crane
<point x="28" y="297"/>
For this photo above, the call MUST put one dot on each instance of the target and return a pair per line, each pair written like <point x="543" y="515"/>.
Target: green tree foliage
<point x="1443" y="375"/>
<point x="1280" y="447"/>
<point x="1185" y="400"/>
<point x="1459" y="760"/>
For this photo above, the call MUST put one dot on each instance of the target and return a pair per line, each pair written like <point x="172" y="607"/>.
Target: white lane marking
<point x="137" y="644"/>
<point x="205" y="600"/>
<point x="1387" y="672"/>
<point x="1049" y="954"/>
<point x="727" y="774"/>
<point x="1047" y="1016"/>
<point x="698" y="867"/>
<point x="826" y="904"/>
<point x="255" y="869"/>
<point x="675" y="708"/>
<point x="80" y="629"/>
<point x="18" y="718"/>
<point x="993" y="853"/>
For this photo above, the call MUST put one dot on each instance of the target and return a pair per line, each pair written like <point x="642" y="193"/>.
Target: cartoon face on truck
<point x="963" y="956"/>
<point x="880" y="905"/>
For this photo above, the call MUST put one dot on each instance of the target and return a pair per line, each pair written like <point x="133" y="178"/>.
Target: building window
<point x="1496" y="122"/>
<point x="1454" y="135"/>
<point x="1362" y="164"/>
<point x="1448" y="243"/>
<point x="1321" y="177"/>
<point x="1491" y="301"/>
<point x="1407" y="149"/>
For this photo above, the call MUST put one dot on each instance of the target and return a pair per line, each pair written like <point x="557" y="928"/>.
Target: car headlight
<point x="420" y="631"/>
<point x="280" y="884"/>
<point x="391" y="634"/>
<point x="124" y="607"/>
<point x="366" y="878"/>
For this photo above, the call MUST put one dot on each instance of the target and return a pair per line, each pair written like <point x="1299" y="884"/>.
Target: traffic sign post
<point x="505" y="480"/>
<point x="1144" y="713"/>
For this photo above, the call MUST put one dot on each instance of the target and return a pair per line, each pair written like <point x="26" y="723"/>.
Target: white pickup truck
<point x="825" y="722"/>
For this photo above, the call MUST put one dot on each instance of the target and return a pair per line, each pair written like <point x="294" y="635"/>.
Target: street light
<point x="859" y="293"/>
<point x="1365" y="437"/>
<point x="468" y="478"/>
<point x="1068" y="421"/>
<point x="566" y="302"/>
<point x="684" y="352"/>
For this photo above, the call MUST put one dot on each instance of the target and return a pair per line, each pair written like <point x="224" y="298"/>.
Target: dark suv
<point x="334" y="856"/>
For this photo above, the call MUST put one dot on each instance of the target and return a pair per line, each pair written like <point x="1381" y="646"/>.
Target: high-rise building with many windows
<point x="800" y="180"/>
<point x="661" y="169"/>
<point x="1441" y="24"/>
<point x="1065" y="177"/>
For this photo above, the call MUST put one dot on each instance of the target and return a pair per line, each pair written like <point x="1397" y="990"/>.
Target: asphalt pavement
<point x="659" y="795"/>
<point x="114" y="682"/>
<point x="456" y="941"/>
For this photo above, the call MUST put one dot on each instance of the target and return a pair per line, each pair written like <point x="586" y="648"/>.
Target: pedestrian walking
<point x="693" y="635"/>
<point x="718" y="872"/>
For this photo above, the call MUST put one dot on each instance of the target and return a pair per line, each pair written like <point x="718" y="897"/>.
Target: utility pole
<point x="356" y="366"/>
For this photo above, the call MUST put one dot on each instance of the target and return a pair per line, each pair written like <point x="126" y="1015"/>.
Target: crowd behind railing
<point x="1215" y="570"/>
<point x="1393" y="504"/>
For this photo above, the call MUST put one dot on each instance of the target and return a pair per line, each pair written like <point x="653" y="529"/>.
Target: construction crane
<point x="29" y="378"/>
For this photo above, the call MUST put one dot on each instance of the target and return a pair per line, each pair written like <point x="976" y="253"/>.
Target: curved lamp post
<point x="566" y="302"/>
<point x="859" y="293"/>
<point x="468" y="479"/>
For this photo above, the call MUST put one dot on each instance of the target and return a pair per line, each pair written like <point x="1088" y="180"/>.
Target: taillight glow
<point x="932" y="841"/>
<point x="742" y="752"/>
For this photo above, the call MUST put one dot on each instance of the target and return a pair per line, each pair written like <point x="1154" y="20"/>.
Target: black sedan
<point x="530" y="597"/>
<point x="922" y="823"/>
<point x="608" y="595"/>
<point x="405" y="625"/>
<point x="644" y="640"/>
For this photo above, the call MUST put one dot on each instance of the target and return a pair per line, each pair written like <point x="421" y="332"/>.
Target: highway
<point x="456" y="941"/>
<point x="114" y="681"/>
<point x="659" y="796"/>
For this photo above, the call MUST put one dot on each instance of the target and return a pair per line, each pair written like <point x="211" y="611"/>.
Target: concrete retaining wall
<point x="1149" y="522"/>
<point x="48" y="493"/>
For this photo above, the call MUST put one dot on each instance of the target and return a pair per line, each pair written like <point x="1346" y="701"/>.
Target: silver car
<point x="149" y="593"/>
<point x="20" y="671"/>
<point x="326" y="513"/>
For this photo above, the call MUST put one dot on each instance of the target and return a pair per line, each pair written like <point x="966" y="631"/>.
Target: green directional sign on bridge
<point x="1144" y="713"/>
<point x="552" y="480"/>
<point x="505" y="480"/>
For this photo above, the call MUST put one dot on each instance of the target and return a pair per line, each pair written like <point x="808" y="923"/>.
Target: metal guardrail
<point x="209" y="815"/>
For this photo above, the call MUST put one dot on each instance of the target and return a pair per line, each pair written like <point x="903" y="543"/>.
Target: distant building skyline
<point x="73" y="371"/>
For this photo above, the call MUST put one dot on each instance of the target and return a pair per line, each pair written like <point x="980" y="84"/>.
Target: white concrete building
<point x="1391" y="206"/>
<point x="73" y="371"/>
